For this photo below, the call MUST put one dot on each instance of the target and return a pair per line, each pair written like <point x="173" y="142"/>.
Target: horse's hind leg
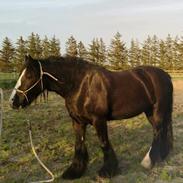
<point x="163" y="139"/>
<point x="110" y="165"/>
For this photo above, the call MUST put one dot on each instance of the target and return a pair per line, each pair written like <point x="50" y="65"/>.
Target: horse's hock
<point x="1" y="110"/>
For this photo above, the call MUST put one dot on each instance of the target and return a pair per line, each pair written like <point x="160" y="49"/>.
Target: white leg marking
<point x="146" y="162"/>
<point x="18" y="84"/>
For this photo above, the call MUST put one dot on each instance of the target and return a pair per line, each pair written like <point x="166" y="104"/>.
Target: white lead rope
<point x="37" y="157"/>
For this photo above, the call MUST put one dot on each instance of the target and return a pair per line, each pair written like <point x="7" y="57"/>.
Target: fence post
<point x="1" y="110"/>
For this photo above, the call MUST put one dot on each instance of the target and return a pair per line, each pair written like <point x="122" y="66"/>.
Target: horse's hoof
<point x="72" y="173"/>
<point x="147" y="162"/>
<point x="107" y="172"/>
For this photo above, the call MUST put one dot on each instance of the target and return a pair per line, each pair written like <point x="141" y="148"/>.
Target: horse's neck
<point x="62" y="81"/>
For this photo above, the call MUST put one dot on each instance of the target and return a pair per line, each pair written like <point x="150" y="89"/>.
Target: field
<point x="54" y="141"/>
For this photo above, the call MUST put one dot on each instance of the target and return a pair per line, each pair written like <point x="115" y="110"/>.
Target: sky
<point x="86" y="19"/>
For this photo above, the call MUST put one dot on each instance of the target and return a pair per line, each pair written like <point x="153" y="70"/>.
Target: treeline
<point x="166" y="54"/>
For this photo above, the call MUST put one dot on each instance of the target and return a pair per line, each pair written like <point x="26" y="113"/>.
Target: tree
<point x="93" y="51"/>
<point x="55" y="47"/>
<point x="134" y="54"/>
<point x="179" y="48"/>
<point x="7" y="54"/>
<point x="97" y="51"/>
<point x="155" y="55"/>
<point x="169" y="52"/>
<point x="146" y="51"/>
<point x="21" y="51"/>
<point x="38" y="50"/>
<point x="177" y="53"/>
<point x="102" y="52"/>
<point x="117" y="53"/>
<point x="34" y="46"/>
<point x="45" y="48"/>
<point x="31" y="45"/>
<point x="82" y="52"/>
<point x="162" y="52"/>
<point x="71" y="47"/>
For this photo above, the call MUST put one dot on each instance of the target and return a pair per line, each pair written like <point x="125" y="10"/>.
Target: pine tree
<point x="102" y="52"/>
<point x="71" y="47"/>
<point x="134" y="54"/>
<point x="155" y="55"/>
<point x="82" y="52"/>
<point x="162" y="52"/>
<point x="7" y="54"/>
<point x="97" y="51"/>
<point x="45" y="48"/>
<point x="146" y="51"/>
<point x="21" y="51"/>
<point x="55" y="47"/>
<point x="92" y="51"/>
<point x="177" y="56"/>
<point x="38" y="50"/>
<point x="31" y="45"/>
<point x="169" y="52"/>
<point x="117" y="53"/>
<point x="179" y="48"/>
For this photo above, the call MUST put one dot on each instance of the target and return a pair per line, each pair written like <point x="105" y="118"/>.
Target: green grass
<point x="54" y="141"/>
<point x="7" y="76"/>
<point x="7" y="80"/>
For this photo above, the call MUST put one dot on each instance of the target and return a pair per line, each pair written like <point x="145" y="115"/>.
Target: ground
<point x="54" y="141"/>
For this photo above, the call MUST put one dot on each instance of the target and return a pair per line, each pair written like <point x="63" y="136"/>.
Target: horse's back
<point x="135" y="91"/>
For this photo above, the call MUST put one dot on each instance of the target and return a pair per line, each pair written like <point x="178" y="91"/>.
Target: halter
<point x="39" y="80"/>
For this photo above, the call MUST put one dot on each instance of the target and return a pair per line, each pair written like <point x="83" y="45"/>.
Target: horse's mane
<point x="71" y="62"/>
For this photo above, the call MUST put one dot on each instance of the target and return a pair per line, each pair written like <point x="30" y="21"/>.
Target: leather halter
<point x="39" y="80"/>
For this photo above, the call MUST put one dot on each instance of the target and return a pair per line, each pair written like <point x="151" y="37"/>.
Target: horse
<point x="94" y="95"/>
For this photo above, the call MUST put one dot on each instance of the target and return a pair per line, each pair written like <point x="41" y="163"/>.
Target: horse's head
<point x="29" y="84"/>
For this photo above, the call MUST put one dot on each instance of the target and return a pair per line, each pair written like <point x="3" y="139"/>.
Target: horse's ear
<point x="28" y="59"/>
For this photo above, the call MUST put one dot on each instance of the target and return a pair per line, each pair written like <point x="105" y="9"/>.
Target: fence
<point x="1" y="110"/>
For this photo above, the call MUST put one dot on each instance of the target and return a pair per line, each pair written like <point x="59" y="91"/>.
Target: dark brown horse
<point x="94" y="95"/>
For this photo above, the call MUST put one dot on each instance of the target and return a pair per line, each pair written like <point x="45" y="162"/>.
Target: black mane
<point x="72" y="62"/>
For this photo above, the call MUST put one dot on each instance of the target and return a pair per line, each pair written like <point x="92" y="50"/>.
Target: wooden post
<point x="1" y="110"/>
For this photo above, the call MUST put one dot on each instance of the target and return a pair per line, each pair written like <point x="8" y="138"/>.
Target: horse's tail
<point x="164" y="114"/>
<point x="167" y="130"/>
<point x="160" y="117"/>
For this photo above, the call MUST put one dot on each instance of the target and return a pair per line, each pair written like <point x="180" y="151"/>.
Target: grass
<point x="7" y="76"/>
<point x="54" y="141"/>
<point x="7" y="80"/>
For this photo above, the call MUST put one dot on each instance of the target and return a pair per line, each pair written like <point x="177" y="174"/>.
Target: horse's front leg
<point x="110" y="165"/>
<point x="80" y="160"/>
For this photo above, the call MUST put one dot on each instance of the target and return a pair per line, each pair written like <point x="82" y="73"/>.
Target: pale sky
<point x="86" y="19"/>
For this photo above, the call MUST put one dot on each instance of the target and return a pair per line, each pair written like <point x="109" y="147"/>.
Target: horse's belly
<point x="129" y="109"/>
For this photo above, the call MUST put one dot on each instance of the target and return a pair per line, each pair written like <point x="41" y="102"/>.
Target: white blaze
<point x="146" y="162"/>
<point x="18" y="84"/>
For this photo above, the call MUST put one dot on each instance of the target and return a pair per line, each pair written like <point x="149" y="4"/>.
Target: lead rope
<point x="37" y="157"/>
<point x="30" y="129"/>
